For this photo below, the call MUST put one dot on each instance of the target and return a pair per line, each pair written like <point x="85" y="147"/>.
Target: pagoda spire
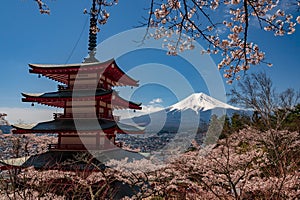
<point x="92" y="34"/>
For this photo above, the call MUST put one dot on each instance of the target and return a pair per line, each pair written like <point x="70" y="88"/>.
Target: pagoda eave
<point x="108" y="132"/>
<point x="64" y="132"/>
<point x="108" y="69"/>
<point x="77" y="127"/>
<point x="116" y="100"/>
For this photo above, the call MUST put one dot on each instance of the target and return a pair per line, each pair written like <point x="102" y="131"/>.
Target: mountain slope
<point x="193" y="111"/>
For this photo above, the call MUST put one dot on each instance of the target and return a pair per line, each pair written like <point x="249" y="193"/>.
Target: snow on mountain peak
<point x="200" y="102"/>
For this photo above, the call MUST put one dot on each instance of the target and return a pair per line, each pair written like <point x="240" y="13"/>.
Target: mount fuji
<point x="201" y="102"/>
<point x="195" y="110"/>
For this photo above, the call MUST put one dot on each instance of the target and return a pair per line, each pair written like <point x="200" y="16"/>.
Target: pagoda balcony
<point x="85" y="115"/>
<point x="85" y="87"/>
<point x="68" y="147"/>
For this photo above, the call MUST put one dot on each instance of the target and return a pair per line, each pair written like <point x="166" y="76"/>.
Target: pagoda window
<point x="76" y="140"/>
<point x="70" y="140"/>
<point x="101" y="110"/>
<point x="88" y="140"/>
<point x="103" y="104"/>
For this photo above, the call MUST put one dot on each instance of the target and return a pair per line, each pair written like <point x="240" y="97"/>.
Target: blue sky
<point x="26" y="36"/>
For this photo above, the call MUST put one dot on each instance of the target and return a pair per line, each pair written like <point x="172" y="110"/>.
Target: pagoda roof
<point x="61" y="159"/>
<point x="69" y="93"/>
<point x="60" y="72"/>
<point x="14" y="162"/>
<point x="57" y="99"/>
<point x="83" y="126"/>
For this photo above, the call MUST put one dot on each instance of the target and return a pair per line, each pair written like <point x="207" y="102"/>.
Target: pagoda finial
<point x="93" y="34"/>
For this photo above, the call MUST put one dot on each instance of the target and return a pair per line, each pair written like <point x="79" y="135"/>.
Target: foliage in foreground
<point x="248" y="164"/>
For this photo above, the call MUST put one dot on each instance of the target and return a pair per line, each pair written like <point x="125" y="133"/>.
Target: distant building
<point x="5" y="127"/>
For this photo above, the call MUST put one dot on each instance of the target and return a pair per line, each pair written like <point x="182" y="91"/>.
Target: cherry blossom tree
<point x="249" y="164"/>
<point x="241" y="166"/>
<point x="224" y="25"/>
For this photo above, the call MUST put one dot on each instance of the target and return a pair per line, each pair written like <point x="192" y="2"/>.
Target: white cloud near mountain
<point x="146" y="109"/>
<point x="156" y="101"/>
<point x="153" y="106"/>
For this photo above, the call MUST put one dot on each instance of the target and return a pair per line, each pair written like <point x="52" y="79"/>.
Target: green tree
<point x="256" y="91"/>
<point x="292" y="121"/>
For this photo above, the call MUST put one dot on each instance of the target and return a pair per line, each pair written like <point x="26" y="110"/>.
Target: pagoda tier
<point x="76" y="126"/>
<point x="98" y="98"/>
<point x="80" y="134"/>
<point x="107" y="73"/>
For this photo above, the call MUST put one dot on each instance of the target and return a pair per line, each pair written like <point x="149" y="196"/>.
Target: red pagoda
<point x="91" y="99"/>
<point x="87" y="98"/>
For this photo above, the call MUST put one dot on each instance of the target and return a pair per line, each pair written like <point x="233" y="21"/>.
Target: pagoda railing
<point x="85" y="115"/>
<point x="78" y="146"/>
<point x="89" y="86"/>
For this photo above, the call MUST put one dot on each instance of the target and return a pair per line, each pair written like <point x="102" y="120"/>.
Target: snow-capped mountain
<point x="196" y="109"/>
<point x="200" y="102"/>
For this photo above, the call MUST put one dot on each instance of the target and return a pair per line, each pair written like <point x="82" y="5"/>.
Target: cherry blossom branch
<point x="238" y="53"/>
